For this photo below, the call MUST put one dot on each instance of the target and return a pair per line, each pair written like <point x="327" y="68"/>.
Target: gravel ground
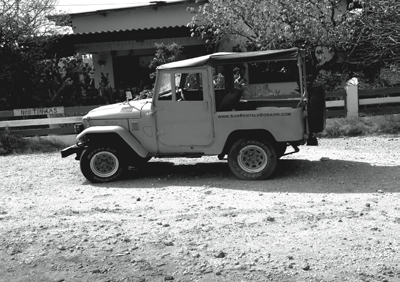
<point x="330" y="213"/>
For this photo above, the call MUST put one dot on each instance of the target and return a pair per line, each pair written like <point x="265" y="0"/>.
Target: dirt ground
<point x="330" y="213"/>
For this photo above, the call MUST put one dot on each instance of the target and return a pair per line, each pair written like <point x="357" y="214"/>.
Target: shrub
<point x="360" y="126"/>
<point x="10" y="143"/>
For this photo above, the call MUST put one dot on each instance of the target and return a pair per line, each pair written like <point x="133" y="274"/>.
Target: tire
<point x="250" y="159"/>
<point x="316" y="108"/>
<point x="280" y="149"/>
<point x="102" y="163"/>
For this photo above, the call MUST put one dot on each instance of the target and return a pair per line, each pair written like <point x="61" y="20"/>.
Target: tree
<point x="316" y="26"/>
<point x="26" y="35"/>
<point x="164" y="54"/>
<point x="375" y="40"/>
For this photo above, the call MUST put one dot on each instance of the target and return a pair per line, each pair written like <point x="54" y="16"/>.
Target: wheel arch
<point x="257" y="134"/>
<point x="113" y="135"/>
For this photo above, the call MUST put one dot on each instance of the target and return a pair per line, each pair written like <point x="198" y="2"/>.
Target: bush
<point x="361" y="126"/>
<point x="10" y="143"/>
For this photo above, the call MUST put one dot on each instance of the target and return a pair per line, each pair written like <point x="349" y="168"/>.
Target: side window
<point x="189" y="86"/>
<point x="165" y="87"/>
<point x="218" y="78"/>
<point x="273" y="72"/>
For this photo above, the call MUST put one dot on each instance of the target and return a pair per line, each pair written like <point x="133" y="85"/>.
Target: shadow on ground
<point x="300" y="176"/>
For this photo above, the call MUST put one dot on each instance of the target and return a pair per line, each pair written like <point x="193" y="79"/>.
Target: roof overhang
<point x="127" y="35"/>
<point x="64" y="46"/>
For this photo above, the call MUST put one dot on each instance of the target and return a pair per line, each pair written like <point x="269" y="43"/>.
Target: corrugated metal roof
<point x="129" y="34"/>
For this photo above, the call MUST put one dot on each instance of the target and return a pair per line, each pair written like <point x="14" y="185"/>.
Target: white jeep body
<point x="186" y="118"/>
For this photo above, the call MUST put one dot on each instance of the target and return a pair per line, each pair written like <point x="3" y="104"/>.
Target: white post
<point x="352" y="97"/>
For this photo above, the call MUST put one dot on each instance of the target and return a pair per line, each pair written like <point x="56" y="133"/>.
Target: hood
<point x="131" y="109"/>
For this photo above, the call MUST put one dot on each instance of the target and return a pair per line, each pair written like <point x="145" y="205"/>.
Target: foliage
<point x="10" y="143"/>
<point x="165" y="54"/>
<point x="145" y="94"/>
<point x="336" y="37"/>
<point x="68" y="82"/>
<point x="105" y="89"/>
<point x="360" y="126"/>
<point x="26" y="35"/>
<point x="375" y="33"/>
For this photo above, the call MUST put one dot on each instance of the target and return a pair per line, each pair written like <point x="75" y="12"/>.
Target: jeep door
<point x="183" y="108"/>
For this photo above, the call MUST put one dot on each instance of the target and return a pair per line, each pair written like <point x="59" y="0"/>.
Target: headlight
<point x="85" y="123"/>
<point x="82" y="139"/>
<point x="78" y="128"/>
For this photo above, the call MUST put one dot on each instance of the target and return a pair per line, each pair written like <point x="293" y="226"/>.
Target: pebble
<point x="220" y="254"/>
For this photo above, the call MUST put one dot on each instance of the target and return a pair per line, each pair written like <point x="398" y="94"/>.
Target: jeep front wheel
<point x="102" y="163"/>
<point x="252" y="159"/>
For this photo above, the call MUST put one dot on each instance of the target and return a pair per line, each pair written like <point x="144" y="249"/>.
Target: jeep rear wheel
<point x="252" y="159"/>
<point x="102" y="163"/>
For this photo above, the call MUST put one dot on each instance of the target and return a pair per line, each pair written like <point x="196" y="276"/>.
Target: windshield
<point x="164" y="86"/>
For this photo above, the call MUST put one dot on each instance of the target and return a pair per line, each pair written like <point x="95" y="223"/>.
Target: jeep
<point x="247" y="107"/>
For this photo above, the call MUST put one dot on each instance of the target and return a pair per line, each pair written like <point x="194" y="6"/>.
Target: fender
<point x="122" y="132"/>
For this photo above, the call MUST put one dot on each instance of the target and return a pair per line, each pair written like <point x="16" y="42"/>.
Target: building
<point x="122" y="41"/>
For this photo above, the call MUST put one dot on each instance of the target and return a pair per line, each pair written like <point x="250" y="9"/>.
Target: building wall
<point x="104" y="52"/>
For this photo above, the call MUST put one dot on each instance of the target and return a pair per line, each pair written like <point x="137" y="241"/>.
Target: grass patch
<point x="361" y="126"/>
<point x="16" y="144"/>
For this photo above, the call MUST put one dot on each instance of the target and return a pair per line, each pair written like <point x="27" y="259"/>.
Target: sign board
<point x="38" y="111"/>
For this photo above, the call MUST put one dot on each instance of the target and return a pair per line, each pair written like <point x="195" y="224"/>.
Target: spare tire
<point x="316" y="108"/>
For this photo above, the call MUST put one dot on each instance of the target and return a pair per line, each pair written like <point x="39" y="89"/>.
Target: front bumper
<point x="74" y="149"/>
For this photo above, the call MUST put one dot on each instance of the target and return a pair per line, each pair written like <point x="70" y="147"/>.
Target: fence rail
<point x="59" y="120"/>
<point x="44" y="121"/>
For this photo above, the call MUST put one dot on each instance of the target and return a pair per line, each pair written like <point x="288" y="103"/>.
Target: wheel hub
<point x="252" y="159"/>
<point x="104" y="164"/>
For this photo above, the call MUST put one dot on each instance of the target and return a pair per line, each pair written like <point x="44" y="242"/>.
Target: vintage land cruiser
<point x="223" y="104"/>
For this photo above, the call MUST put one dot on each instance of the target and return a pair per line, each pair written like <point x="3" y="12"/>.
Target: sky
<point x="81" y="6"/>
